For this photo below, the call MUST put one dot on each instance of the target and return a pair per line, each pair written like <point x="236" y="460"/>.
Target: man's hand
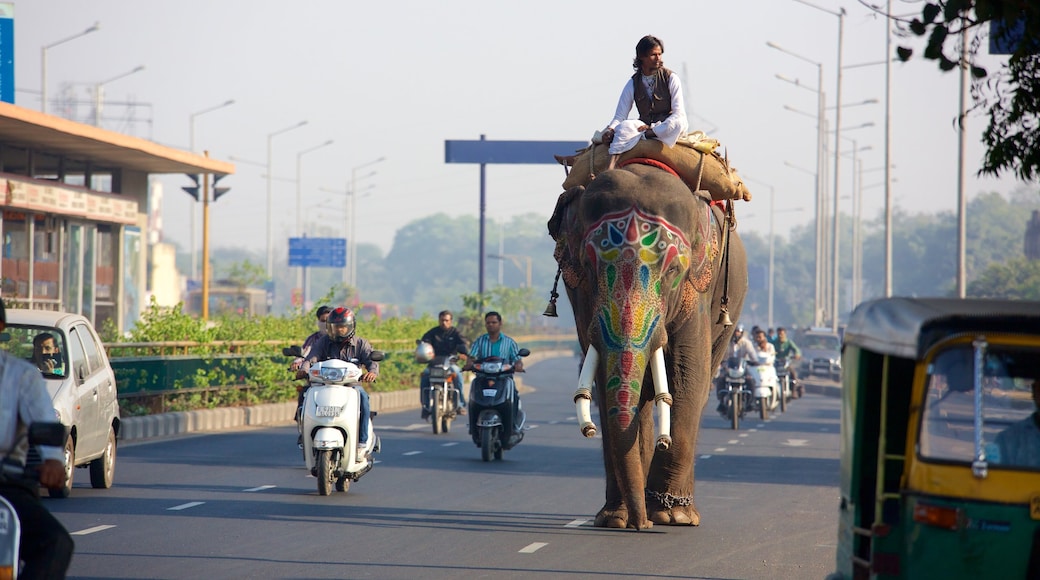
<point x="296" y="364"/>
<point x="369" y="377"/>
<point x="52" y="474"/>
<point x="607" y="136"/>
<point x="518" y="366"/>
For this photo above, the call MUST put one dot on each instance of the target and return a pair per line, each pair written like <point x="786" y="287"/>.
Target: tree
<point x="1018" y="279"/>
<point x="1011" y="97"/>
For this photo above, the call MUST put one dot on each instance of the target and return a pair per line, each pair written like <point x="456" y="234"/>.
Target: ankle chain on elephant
<point x="668" y="500"/>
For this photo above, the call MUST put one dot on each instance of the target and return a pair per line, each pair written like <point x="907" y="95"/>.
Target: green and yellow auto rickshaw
<point x="940" y="443"/>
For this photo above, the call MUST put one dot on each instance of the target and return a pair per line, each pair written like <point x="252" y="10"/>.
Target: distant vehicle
<point x="821" y="354"/>
<point x="81" y="384"/>
<point x="225" y="299"/>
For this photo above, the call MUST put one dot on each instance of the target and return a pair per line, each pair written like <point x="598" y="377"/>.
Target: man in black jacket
<point x="446" y="341"/>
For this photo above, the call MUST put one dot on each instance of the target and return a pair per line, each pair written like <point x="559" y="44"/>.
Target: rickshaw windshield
<point x="1010" y="429"/>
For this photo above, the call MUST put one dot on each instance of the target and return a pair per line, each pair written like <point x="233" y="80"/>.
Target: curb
<point x="208" y="420"/>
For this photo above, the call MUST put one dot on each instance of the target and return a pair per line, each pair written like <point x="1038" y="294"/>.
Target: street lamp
<point x="43" y="60"/>
<point x="352" y="242"/>
<point x="772" y="242"/>
<point x="194" y="210"/>
<point x="821" y="202"/>
<point x="299" y="209"/>
<point x="270" y="234"/>
<point x="99" y="92"/>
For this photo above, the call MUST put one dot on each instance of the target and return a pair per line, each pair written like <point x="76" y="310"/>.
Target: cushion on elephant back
<point x="720" y="180"/>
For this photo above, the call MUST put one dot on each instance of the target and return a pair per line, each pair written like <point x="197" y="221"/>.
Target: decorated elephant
<point x="653" y="272"/>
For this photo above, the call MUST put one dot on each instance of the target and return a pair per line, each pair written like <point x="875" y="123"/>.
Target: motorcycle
<point x="736" y="396"/>
<point x="496" y="419"/>
<point x="783" y="379"/>
<point x="766" y="393"/>
<point x="48" y="434"/>
<point x="331" y="421"/>
<point x="442" y="398"/>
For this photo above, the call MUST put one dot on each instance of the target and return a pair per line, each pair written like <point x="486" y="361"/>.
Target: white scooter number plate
<point x="327" y="411"/>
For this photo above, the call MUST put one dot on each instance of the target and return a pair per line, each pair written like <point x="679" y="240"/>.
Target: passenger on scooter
<point x="46" y="545"/>
<point x="741" y="348"/>
<point x="494" y="343"/>
<point x="340" y="342"/>
<point x="446" y="341"/>
<point x="765" y="353"/>
<point x="322" y="314"/>
<point x="786" y="348"/>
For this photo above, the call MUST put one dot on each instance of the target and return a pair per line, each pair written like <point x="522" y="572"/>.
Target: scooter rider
<point x="446" y="341"/>
<point x="742" y="348"/>
<point x="786" y="348"/>
<point x="46" y="545"/>
<point x="494" y="343"/>
<point x="322" y="314"/>
<point x="765" y="353"/>
<point x="341" y="342"/>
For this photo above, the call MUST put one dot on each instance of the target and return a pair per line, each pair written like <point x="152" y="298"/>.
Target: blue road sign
<point x="318" y="252"/>
<point x="7" y="52"/>
<point x="509" y="151"/>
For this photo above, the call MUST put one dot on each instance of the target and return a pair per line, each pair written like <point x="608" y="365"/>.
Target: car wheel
<point x="70" y="466"/>
<point x="103" y="469"/>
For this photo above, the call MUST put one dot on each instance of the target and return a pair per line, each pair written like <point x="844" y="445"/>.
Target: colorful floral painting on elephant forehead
<point x="631" y="250"/>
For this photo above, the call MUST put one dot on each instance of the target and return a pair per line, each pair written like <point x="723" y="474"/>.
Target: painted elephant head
<point x="644" y="262"/>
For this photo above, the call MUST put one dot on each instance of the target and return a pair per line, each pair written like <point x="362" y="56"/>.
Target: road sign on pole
<point x="318" y="252"/>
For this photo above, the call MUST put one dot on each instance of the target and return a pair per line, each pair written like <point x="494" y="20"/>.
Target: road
<point x="240" y="504"/>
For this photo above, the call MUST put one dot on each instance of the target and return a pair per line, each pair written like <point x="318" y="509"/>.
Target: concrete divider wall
<point x="181" y="423"/>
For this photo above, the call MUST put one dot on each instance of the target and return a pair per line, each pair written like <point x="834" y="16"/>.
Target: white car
<point x="80" y="381"/>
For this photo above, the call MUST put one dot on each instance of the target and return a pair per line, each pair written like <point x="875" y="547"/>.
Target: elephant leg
<point x="615" y="512"/>
<point x="670" y="483"/>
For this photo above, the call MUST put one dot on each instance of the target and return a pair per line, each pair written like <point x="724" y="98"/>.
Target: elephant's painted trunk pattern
<point x="632" y="252"/>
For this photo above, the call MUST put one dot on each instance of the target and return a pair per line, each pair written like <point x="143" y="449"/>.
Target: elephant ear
<point x="563" y="227"/>
<point x="705" y="251"/>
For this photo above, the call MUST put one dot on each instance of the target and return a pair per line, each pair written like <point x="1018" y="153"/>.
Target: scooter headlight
<point x="333" y="374"/>
<point x="492" y="367"/>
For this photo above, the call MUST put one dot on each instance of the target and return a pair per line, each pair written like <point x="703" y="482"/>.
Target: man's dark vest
<point x="658" y="106"/>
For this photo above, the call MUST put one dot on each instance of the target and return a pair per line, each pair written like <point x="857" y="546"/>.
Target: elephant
<point x="653" y="284"/>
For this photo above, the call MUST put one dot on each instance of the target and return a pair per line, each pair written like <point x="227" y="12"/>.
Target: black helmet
<point x="340" y="318"/>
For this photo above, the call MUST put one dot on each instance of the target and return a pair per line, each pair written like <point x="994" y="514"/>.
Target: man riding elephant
<point x="653" y="272"/>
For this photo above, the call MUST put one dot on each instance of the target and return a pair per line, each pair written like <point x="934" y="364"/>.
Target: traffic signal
<point x="193" y="191"/>
<point x="219" y="191"/>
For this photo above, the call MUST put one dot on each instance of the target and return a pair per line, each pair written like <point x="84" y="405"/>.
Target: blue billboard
<point x="7" y="52"/>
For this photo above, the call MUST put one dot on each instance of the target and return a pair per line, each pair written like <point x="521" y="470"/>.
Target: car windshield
<point x="43" y="346"/>
<point x="822" y="342"/>
<point x="1010" y="434"/>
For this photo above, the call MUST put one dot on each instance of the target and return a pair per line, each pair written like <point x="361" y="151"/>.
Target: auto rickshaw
<point x="940" y="444"/>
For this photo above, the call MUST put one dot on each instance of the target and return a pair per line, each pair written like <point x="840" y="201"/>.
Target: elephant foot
<point x="618" y="518"/>
<point x="676" y="516"/>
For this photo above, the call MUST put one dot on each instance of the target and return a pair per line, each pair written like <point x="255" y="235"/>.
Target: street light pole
<point x="299" y="210"/>
<point x="270" y="233"/>
<point x="888" y="158"/>
<point x="352" y="242"/>
<point x="99" y="92"/>
<point x="43" y="61"/>
<point x="191" y="137"/>
<point x="515" y="259"/>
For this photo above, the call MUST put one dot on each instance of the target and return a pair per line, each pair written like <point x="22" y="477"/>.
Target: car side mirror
<point x="377" y="355"/>
<point x="48" y="434"/>
<point x="523" y="352"/>
<point x="293" y="350"/>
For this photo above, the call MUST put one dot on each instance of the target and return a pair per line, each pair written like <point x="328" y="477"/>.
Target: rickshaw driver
<point x="1019" y="444"/>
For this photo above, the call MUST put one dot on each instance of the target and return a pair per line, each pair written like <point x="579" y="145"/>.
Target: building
<point x="74" y="223"/>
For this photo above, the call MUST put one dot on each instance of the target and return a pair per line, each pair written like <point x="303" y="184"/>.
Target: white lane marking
<point x="733" y="441"/>
<point x="554" y="422"/>
<point x="531" y="427"/>
<point x="576" y="523"/>
<point x="90" y="530"/>
<point x="796" y="442"/>
<point x="185" y="506"/>
<point x="720" y="450"/>
<point x="532" y="548"/>
<point x="742" y="435"/>
<point x="413" y="427"/>
<point x="411" y="453"/>
<point x="261" y="488"/>
<point x="707" y="456"/>
<point x="452" y="444"/>
<point x="753" y="430"/>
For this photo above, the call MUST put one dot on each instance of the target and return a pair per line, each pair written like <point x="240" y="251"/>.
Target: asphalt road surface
<point x="241" y="505"/>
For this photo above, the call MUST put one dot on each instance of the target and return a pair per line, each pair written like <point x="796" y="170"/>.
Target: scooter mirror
<point x="48" y="434"/>
<point x="523" y="352"/>
<point x="377" y="355"/>
<point x="293" y="350"/>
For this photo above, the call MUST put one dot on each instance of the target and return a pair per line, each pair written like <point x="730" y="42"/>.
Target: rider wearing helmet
<point x="341" y="342"/>
<point x="740" y="347"/>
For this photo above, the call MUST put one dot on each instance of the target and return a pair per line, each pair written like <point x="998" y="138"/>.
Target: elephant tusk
<point x="663" y="400"/>
<point x="583" y="396"/>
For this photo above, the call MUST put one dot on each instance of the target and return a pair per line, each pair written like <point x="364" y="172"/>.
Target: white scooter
<point x="767" y="388"/>
<point x="331" y="424"/>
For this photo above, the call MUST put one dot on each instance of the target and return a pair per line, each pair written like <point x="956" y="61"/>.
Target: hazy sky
<point x="395" y="79"/>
